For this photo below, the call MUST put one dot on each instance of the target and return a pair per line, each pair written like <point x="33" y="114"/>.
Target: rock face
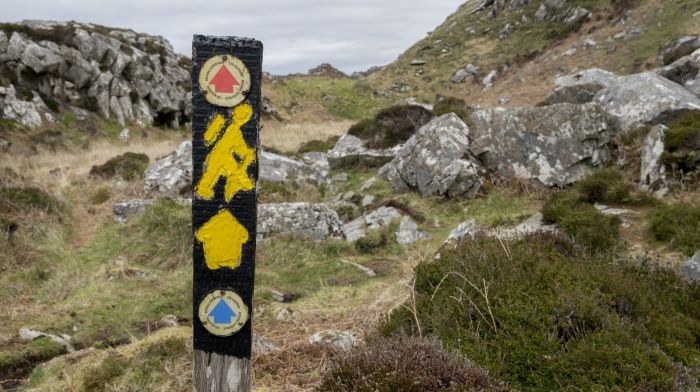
<point x="31" y="113"/>
<point x="684" y="71"/>
<point x="118" y="74"/>
<point x="678" y="48"/>
<point x="644" y="98"/>
<point x="349" y="151"/>
<point x="314" y="221"/>
<point x="278" y="168"/>
<point x="691" y="268"/>
<point x="653" y="173"/>
<point x="581" y="87"/>
<point x="436" y="161"/>
<point x="171" y="175"/>
<point x="555" y="144"/>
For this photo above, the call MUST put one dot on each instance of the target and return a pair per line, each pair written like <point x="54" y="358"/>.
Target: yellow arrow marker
<point x="229" y="157"/>
<point x="222" y="238"/>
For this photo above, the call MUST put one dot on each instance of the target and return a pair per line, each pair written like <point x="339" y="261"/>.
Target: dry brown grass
<point x="287" y="137"/>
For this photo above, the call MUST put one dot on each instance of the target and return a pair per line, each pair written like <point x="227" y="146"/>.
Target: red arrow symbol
<point x="224" y="81"/>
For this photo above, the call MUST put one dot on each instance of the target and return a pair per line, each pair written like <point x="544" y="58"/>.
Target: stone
<point x="691" y="268"/>
<point x="653" y="172"/>
<point x="125" y="210"/>
<point x="643" y="98"/>
<point x="489" y="79"/>
<point x="27" y="113"/>
<point x="40" y="59"/>
<point x="343" y="340"/>
<point x="503" y="100"/>
<point x="318" y="160"/>
<point x="15" y="47"/>
<point x="373" y="220"/>
<point x="684" y="71"/>
<point x="168" y="321"/>
<point x="367" y="200"/>
<point x="349" y="151"/>
<point x="436" y="161"/>
<point x="263" y="345"/>
<point x="612" y="211"/>
<point x="278" y="168"/>
<point x="283" y="297"/>
<point x="307" y="220"/>
<point x="287" y="314"/>
<point x="460" y="76"/>
<point x="417" y="62"/>
<point x="467" y="228"/>
<point x="366" y="270"/>
<point x="340" y="177"/>
<point x="28" y="335"/>
<point x="678" y="48"/>
<point x="581" y="87"/>
<point x="409" y="233"/>
<point x="555" y="145"/>
<point x="368" y="184"/>
<point x="172" y="175"/>
<point x="4" y="144"/>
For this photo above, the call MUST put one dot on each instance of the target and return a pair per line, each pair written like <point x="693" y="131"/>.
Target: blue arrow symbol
<point x="222" y="313"/>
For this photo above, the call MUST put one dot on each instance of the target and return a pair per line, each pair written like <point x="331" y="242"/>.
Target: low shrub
<point x="101" y="195"/>
<point x="682" y="144"/>
<point x="541" y="315"/>
<point x="317" y="145"/>
<point x="404" y="363"/>
<point x="372" y="242"/>
<point x="129" y="166"/>
<point x="391" y="126"/>
<point x="610" y="186"/>
<point x="453" y="105"/>
<point x="13" y="199"/>
<point x="589" y="228"/>
<point x="677" y="225"/>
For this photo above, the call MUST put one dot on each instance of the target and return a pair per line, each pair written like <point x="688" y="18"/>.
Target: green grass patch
<point x="318" y="145"/>
<point x="541" y="315"/>
<point x="682" y="144"/>
<point x="26" y="199"/>
<point x="129" y="166"/>
<point x="678" y="225"/>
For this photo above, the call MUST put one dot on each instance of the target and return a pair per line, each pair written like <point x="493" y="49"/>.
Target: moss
<point x="404" y="363"/>
<point x="318" y="145"/>
<point x="682" y="143"/>
<point x="678" y="225"/>
<point x="541" y="315"/>
<point x="591" y="229"/>
<point x="129" y="166"/>
<point x="27" y="199"/>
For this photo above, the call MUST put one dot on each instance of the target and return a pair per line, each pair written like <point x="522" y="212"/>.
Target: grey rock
<point x="4" y="41"/>
<point x="490" y="78"/>
<point x="644" y="98"/>
<point x="532" y="225"/>
<point x="318" y="160"/>
<point x="460" y="76"/>
<point x="40" y="59"/>
<point x="367" y="200"/>
<point x="124" y="135"/>
<point x="368" y="184"/>
<point x="15" y="47"/>
<point x="125" y="210"/>
<point x="409" y="233"/>
<point x="4" y="144"/>
<point x="366" y="270"/>
<point x="28" y="113"/>
<point x="691" y="268"/>
<point x="611" y="211"/>
<point x="278" y="168"/>
<point x="377" y="219"/>
<point x="340" y="177"/>
<point x="467" y="228"/>
<point x="28" y="335"/>
<point x="436" y="161"/>
<point x="171" y="175"/>
<point x="653" y="172"/>
<point x="418" y="62"/>
<point x="314" y="221"/>
<point x="349" y="151"/>
<point x="555" y="144"/>
<point x="263" y="345"/>
<point x="343" y="340"/>
<point x="678" y="48"/>
<point x="581" y="87"/>
<point x="287" y="314"/>
<point x="684" y="71"/>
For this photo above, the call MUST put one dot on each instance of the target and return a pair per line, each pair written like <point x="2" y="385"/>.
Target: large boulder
<point x="678" y="48"/>
<point x="28" y="113"/>
<point x="652" y="170"/>
<point x="644" y="98"/>
<point x="581" y="87"/>
<point x="278" y="168"/>
<point x="314" y="221"/>
<point x="555" y="145"/>
<point x="436" y="161"/>
<point x="172" y="175"/>
<point x="349" y="151"/>
<point x="684" y="71"/>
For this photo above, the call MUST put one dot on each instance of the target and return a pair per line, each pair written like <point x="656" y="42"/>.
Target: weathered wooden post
<point x="226" y="75"/>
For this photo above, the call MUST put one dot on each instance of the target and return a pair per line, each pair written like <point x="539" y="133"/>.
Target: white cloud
<point x="298" y="34"/>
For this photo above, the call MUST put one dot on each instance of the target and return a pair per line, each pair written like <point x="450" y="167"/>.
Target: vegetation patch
<point x="678" y="225"/>
<point x="682" y="144"/>
<point x="405" y="363"/>
<point x="18" y="363"/>
<point x="318" y="145"/>
<point x="128" y="166"/>
<point x="391" y="126"/>
<point x="541" y="315"/>
<point x="289" y="191"/>
<point x="610" y="186"/>
<point x="453" y="105"/>
<point x="13" y="199"/>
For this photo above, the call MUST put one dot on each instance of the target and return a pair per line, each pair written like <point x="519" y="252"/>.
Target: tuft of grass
<point x="541" y="315"/>
<point x="404" y="363"/>
<point x="101" y="195"/>
<point x="129" y="166"/>
<point x="27" y="199"/>
<point x="678" y="225"/>
<point x="590" y="228"/>
<point x="318" y="145"/>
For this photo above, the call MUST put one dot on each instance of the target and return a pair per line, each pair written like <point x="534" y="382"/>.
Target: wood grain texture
<point x="220" y="373"/>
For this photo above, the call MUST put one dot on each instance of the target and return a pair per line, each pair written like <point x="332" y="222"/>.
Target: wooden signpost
<point x="226" y="75"/>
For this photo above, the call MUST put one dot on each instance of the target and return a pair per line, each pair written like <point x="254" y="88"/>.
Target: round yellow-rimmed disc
<point x="223" y="312"/>
<point x="224" y="81"/>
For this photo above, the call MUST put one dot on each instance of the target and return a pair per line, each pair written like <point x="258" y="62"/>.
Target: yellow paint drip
<point x="222" y="238"/>
<point x="229" y="157"/>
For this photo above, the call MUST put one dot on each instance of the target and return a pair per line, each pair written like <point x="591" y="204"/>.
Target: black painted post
<point x="226" y="76"/>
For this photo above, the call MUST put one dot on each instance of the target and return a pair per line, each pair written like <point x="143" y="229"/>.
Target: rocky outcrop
<point x="470" y="229"/>
<point x="555" y="145"/>
<point x="326" y="70"/>
<point x="172" y="175"/>
<point x="436" y="161"/>
<point x="349" y="151"/>
<point x="314" y="221"/>
<point x="684" y="71"/>
<point x="30" y="112"/>
<point x="561" y="11"/>
<point x="678" y="48"/>
<point x="115" y="73"/>
<point x="653" y="172"/>
<point x="343" y="340"/>
<point x="278" y="168"/>
<point x="644" y="98"/>
<point x="581" y="87"/>
<point x="377" y="219"/>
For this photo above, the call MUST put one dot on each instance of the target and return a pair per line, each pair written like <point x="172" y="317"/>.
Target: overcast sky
<point x="352" y="35"/>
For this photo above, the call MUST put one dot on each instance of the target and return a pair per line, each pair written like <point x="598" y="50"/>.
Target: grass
<point x="678" y="225"/>
<point x="682" y="144"/>
<point x="128" y="166"/>
<point x="316" y="145"/>
<point x="541" y="315"/>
